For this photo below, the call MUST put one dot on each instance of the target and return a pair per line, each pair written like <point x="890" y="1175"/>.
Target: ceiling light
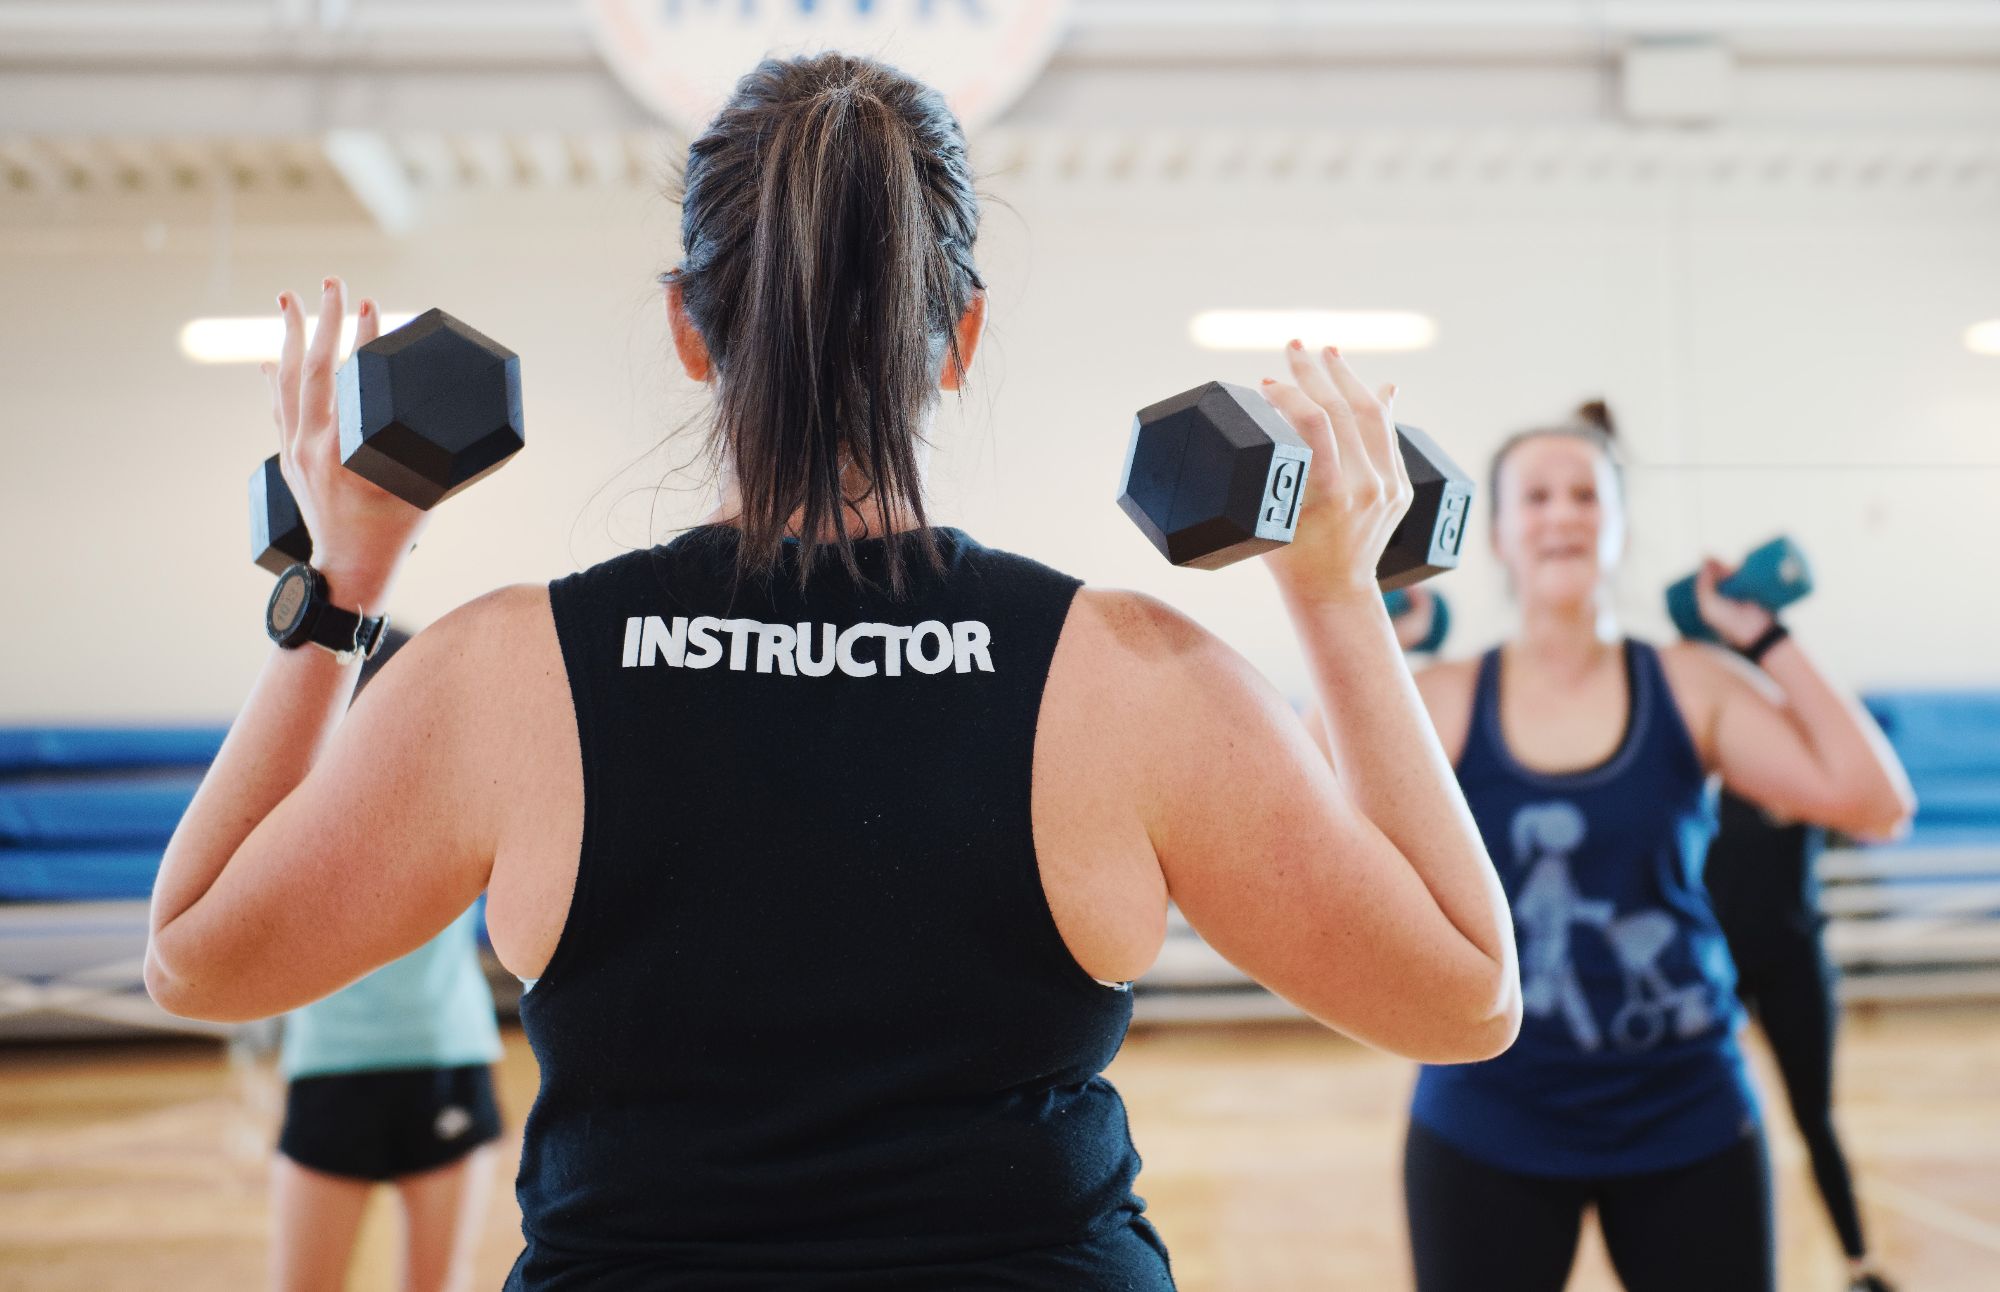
<point x="256" y="340"/>
<point x="1983" y="338"/>
<point x="1356" y="330"/>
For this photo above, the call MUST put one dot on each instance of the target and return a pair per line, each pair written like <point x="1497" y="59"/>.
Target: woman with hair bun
<point x="1588" y="759"/>
<point x="830" y="838"/>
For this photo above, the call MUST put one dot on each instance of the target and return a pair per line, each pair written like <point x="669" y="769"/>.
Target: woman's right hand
<point x="1357" y="488"/>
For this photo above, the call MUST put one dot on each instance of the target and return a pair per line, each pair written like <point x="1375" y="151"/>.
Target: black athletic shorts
<point x="390" y="1123"/>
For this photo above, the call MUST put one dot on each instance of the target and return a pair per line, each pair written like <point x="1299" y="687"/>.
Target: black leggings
<point x="1790" y="984"/>
<point x="1760" y="879"/>
<point x="1476" y="1227"/>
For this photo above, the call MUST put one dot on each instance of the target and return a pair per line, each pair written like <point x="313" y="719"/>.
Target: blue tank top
<point x="430" y="1009"/>
<point x="1627" y="1060"/>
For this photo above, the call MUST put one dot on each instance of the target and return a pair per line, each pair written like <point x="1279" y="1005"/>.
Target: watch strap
<point x="1757" y="650"/>
<point x="346" y="633"/>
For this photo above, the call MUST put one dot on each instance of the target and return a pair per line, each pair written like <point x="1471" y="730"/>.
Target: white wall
<point x="1784" y="353"/>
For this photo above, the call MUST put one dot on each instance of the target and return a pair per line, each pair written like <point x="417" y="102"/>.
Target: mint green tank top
<point x="431" y="1009"/>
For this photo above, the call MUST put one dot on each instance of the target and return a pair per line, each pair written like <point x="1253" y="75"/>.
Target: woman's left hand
<point x="1737" y="623"/>
<point x="360" y="531"/>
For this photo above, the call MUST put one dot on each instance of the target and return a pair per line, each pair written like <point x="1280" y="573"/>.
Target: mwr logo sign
<point x="682" y="56"/>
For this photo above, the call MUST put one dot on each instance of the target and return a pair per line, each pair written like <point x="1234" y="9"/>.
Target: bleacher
<point x="86" y="812"/>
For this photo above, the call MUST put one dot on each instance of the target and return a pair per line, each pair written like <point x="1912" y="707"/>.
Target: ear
<point x="971" y="327"/>
<point x="693" y="351"/>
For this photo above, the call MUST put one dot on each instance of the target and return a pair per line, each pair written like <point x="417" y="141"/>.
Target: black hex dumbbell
<point x="425" y="410"/>
<point x="1215" y="474"/>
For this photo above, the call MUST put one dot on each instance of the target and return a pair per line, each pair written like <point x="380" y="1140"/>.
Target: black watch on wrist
<point x="301" y="610"/>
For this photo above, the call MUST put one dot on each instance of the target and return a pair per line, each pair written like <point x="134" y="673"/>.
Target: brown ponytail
<point x="1595" y="412"/>
<point x="828" y="220"/>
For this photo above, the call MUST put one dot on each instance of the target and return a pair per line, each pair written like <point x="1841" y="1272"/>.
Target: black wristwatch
<point x="301" y="610"/>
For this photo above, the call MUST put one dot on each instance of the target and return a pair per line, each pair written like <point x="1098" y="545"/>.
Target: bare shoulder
<point x="496" y="664"/>
<point x="1446" y="689"/>
<point x="1134" y="621"/>
<point x="1700" y="667"/>
<point x="1702" y="678"/>
<point x="1161" y="648"/>
<point x="501" y="638"/>
<point x="1446" y="679"/>
<point x="489" y="619"/>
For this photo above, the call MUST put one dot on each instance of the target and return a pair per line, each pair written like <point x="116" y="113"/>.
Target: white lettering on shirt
<point x="789" y="650"/>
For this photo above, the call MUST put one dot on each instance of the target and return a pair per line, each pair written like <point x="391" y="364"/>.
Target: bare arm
<point x="1385" y="750"/>
<point x="1358" y="887"/>
<point x="1790" y="740"/>
<point x="1796" y="744"/>
<point x="321" y="847"/>
<point x="1266" y="852"/>
<point x="318" y="846"/>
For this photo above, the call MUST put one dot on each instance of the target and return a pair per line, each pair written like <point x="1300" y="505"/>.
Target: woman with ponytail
<point x="1587" y="758"/>
<point x="828" y="838"/>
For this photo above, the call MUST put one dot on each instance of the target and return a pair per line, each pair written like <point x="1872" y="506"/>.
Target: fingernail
<point x="1394" y="390"/>
<point x="1298" y="344"/>
<point x="366" y="306"/>
<point x="326" y="284"/>
<point x="1268" y="381"/>
<point x="1333" y="350"/>
<point x="282" y="302"/>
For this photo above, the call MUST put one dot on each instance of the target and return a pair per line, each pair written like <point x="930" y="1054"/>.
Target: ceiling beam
<point x="374" y="175"/>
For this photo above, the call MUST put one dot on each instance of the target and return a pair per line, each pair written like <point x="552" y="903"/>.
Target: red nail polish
<point x="1298" y="344"/>
<point x="281" y="300"/>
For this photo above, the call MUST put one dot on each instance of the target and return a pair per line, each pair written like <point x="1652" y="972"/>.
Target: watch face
<point x="288" y="602"/>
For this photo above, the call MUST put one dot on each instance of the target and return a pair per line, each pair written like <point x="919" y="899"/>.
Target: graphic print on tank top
<point x="1551" y="912"/>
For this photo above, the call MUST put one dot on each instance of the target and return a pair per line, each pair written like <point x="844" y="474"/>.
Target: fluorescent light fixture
<point x="1357" y="330"/>
<point x="1984" y="338"/>
<point x="256" y="340"/>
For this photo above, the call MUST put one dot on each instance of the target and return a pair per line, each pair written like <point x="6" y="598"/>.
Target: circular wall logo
<point x="680" y="57"/>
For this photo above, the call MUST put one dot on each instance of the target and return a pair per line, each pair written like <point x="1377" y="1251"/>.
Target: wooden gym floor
<point x="1271" y="1154"/>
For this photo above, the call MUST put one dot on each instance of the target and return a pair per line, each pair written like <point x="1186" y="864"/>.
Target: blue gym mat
<point x="119" y="808"/>
<point x="24" y="749"/>
<point x="77" y="874"/>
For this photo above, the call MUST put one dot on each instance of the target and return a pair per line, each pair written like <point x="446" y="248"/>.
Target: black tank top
<point x="810" y="1022"/>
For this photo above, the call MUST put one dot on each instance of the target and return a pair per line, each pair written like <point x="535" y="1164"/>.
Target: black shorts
<point x="391" y="1123"/>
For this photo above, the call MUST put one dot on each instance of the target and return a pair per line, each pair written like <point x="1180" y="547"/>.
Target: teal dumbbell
<point x="1774" y="576"/>
<point x="1398" y="602"/>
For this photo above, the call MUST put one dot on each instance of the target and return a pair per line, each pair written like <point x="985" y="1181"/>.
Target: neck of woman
<point x="1567" y="639"/>
<point x="866" y="517"/>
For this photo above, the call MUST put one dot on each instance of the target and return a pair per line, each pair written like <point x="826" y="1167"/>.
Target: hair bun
<point x="1598" y="414"/>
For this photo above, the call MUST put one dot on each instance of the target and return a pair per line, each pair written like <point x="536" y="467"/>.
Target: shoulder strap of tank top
<point x="1484" y="719"/>
<point x="1669" y="727"/>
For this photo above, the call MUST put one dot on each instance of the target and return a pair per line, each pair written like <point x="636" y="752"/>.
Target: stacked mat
<point x="85" y="813"/>
<point x="1950" y="743"/>
<point x="1920" y="917"/>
